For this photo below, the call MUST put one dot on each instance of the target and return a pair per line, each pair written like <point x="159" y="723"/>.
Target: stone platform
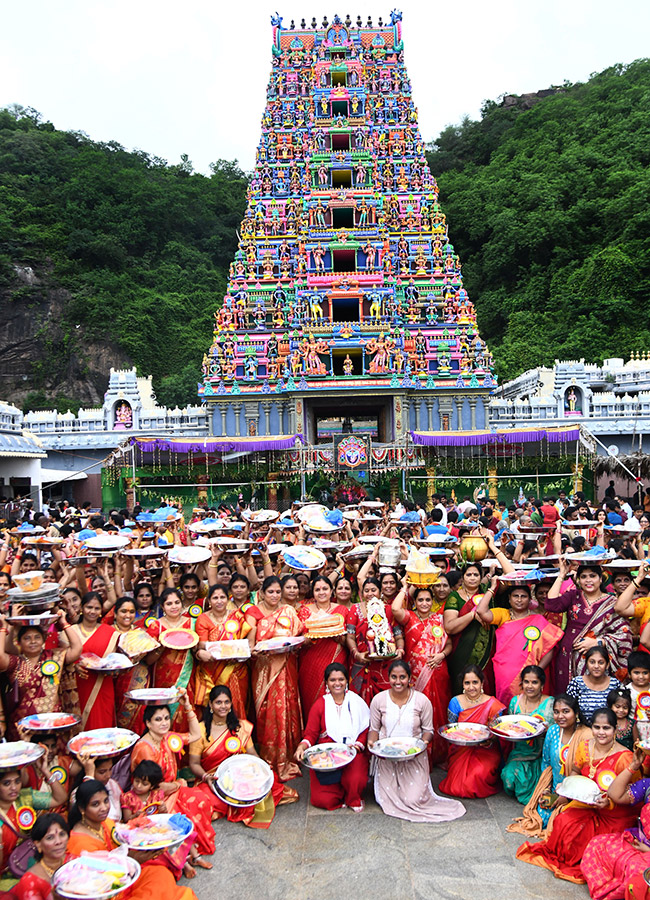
<point x="310" y="854"/>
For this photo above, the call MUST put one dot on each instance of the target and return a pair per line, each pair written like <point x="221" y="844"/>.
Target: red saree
<point x="97" y="692"/>
<point x="314" y="659"/>
<point x="576" y="824"/>
<point x="275" y="692"/>
<point x="10" y="836"/>
<point x="212" y="754"/>
<point x="173" y="669"/>
<point x="473" y="771"/>
<point x="424" y="638"/>
<point x="368" y="680"/>
<point x="33" y="887"/>
<point x="233" y="674"/>
<point x="189" y="801"/>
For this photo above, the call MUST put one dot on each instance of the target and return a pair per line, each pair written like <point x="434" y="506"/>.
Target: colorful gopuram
<point x="345" y="298"/>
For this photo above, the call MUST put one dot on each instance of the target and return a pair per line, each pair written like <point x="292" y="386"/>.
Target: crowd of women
<point x="554" y="622"/>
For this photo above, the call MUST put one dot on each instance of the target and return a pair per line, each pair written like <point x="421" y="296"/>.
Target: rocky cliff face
<point x="42" y="350"/>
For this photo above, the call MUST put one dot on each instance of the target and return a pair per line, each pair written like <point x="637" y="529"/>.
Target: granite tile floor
<point x="310" y="854"/>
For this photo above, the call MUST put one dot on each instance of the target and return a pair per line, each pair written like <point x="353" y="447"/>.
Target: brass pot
<point x="473" y="548"/>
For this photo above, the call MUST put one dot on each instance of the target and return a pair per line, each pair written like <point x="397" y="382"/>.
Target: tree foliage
<point x="549" y="209"/>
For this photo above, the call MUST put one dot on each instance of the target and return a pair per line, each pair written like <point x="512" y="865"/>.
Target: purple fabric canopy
<point x="215" y="445"/>
<point x="478" y="438"/>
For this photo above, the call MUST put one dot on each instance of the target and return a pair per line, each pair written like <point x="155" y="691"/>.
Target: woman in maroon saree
<point x="318" y="653"/>
<point x="473" y="771"/>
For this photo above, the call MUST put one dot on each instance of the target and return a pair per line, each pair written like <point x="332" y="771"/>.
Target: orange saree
<point x="233" y="674"/>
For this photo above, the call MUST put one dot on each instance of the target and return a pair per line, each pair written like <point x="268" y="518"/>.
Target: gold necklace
<point x="99" y="834"/>
<point x="84" y="631"/>
<point x="474" y="702"/>
<point x="523" y="706"/>
<point x="593" y="762"/>
<point x="50" y="871"/>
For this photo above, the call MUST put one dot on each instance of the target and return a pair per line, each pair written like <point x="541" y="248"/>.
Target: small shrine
<point x="345" y="309"/>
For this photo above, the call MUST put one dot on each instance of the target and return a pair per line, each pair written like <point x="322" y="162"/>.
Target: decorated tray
<point x="107" y="542"/>
<point x="310" y="510"/>
<point x="358" y="552"/>
<point x="51" y="721"/>
<point x="234" y="650"/>
<point x="321" y="525"/>
<point x="272" y="549"/>
<point x="144" y="552"/>
<point x="465" y="733"/>
<point x="188" y="556"/>
<point x="581" y="788"/>
<point x="96" y="876"/>
<point x="19" y="753"/>
<point x="398" y="748"/>
<point x="42" y="540"/>
<point x="580" y="523"/>
<point x="136" y="642"/>
<point x="179" y="639"/>
<point x="153" y="832"/>
<point x="371" y="538"/>
<point x="154" y="696"/>
<point x="260" y="516"/>
<point x="304" y="558"/>
<point x="518" y="728"/>
<point x="223" y="541"/>
<point x="372" y="504"/>
<point x="351" y="515"/>
<point x="45" y="593"/>
<point x="521" y="576"/>
<point x="243" y="780"/>
<point x="112" y="662"/>
<point x="28" y="581"/>
<point x="78" y="560"/>
<point x="103" y="741"/>
<point x="326" y="757"/>
<point x="44" y="619"/>
<point x="623" y="564"/>
<point x="279" y="644"/>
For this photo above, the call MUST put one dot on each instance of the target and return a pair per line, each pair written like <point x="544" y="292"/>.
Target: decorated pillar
<point x="472" y="406"/>
<point x="129" y="490"/>
<point x="493" y="483"/>
<point x="266" y="406"/>
<point x="202" y="481"/>
<point x="431" y="486"/>
<point x="394" y="489"/>
<point x="272" y="490"/>
<point x="429" y="406"/>
<point x="577" y="469"/>
<point x="237" y="410"/>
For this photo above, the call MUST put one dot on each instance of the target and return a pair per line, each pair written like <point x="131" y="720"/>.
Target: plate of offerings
<point x="154" y="696"/>
<point x="581" y="788"/>
<point x="308" y="512"/>
<point x="102" y="741"/>
<point x="522" y="575"/>
<point x="398" y="749"/>
<point x="179" y="639"/>
<point x="107" y="542"/>
<point x="372" y="504"/>
<point x="78" y="560"/>
<point x="19" y="753"/>
<point x="329" y="756"/>
<point x="321" y="525"/>
<point x="588" y="556"/>
<point x="242" y="780"/>
<point x="318" y="626"/>
<point x="207" y="526"/>
<point x="42" y="540"/>
<point x="279" y="644"/>
<point x="112" y="662"/>
<point x="351" y="515"/>
<point x="136" y="642"/>
<point x="580" y="523"/>
<point x="41" y="620"/>
<point x="237" y="650"/>
<point x="188" y="556"/>
<point x="260" y="516"/>
<point x="306" y="559"/>
<point x="358" y="552"/>
<point x="518" y="728"/>
<point x="153" y="832"/>
<point x="465" y="733"/>
<point x="372" y="538"/>
<point x="272" y="549"/>
<point x="28" y="581"/>
<point x="52" y="721"/>
<point x="622" y="564"/>
<point x="145" y="552"/>
<point x="96" y="876"/>
<point x="533" y="529"/>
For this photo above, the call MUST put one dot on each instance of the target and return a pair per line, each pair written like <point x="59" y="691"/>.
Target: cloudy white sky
<point x="190" y="77"/>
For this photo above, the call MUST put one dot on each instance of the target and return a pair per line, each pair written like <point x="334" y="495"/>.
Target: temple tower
<point x="346" y="308"/>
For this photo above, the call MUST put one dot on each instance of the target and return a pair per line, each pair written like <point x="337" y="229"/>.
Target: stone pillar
<point x="472" y="405"/>
<point x="218" y="420"/>
<point x="237" y="410"/>
<point x="493" y="483"/>
<point x="577" y="469"/>
<point x="416" y="410"/>
<point x="406" y="418"/>
<point x="431" y="486"/>
<point x="266" y="406"/>
<point x="429" y="405"/>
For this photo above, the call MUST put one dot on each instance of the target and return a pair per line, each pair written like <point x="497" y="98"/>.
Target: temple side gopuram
<point x="346" y="309"/>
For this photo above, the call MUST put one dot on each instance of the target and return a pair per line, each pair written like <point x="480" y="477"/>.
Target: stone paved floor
<point x="310" y="854"/>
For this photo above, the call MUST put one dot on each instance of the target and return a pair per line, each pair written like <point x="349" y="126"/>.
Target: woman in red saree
<point x="602" y="758"/>
<point x="523" y="638"/>
<point x="368" y="677"/>
<point x="427" y="648"/>
<point x="611" y="861"/>
<point x="161" y="745"/>
<point x="220" y="623"/>
<point x="275" y="680"/>
<point x="92" y="831"/>
<point x="128" y="712"/>
<point x="342" y="717"/>
<point x="50" y="838"/>
<point x="318" y="653"/>
<point x="224" y="735"/>
<point x="172" y="668"/>
<point x="35" y="675"/>
<point x="96" y="691"/>
<point x="473" y="771"/>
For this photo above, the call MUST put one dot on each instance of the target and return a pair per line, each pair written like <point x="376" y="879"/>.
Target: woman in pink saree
<point x="427" y="647"/>
<point x="523" y="638"/>
<point x="473" y="771"/>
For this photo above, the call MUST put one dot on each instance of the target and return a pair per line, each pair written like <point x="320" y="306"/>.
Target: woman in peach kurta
<point x="220" y="623"/>
<point x="275" y="681"/>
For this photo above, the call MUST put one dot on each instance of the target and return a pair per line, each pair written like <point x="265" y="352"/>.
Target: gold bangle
<point x="213" y="565"/>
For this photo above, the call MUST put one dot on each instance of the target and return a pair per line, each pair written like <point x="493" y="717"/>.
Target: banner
<point x="351" y="452"/>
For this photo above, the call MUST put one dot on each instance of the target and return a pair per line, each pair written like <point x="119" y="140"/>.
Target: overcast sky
<point x="172" y="78"/>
